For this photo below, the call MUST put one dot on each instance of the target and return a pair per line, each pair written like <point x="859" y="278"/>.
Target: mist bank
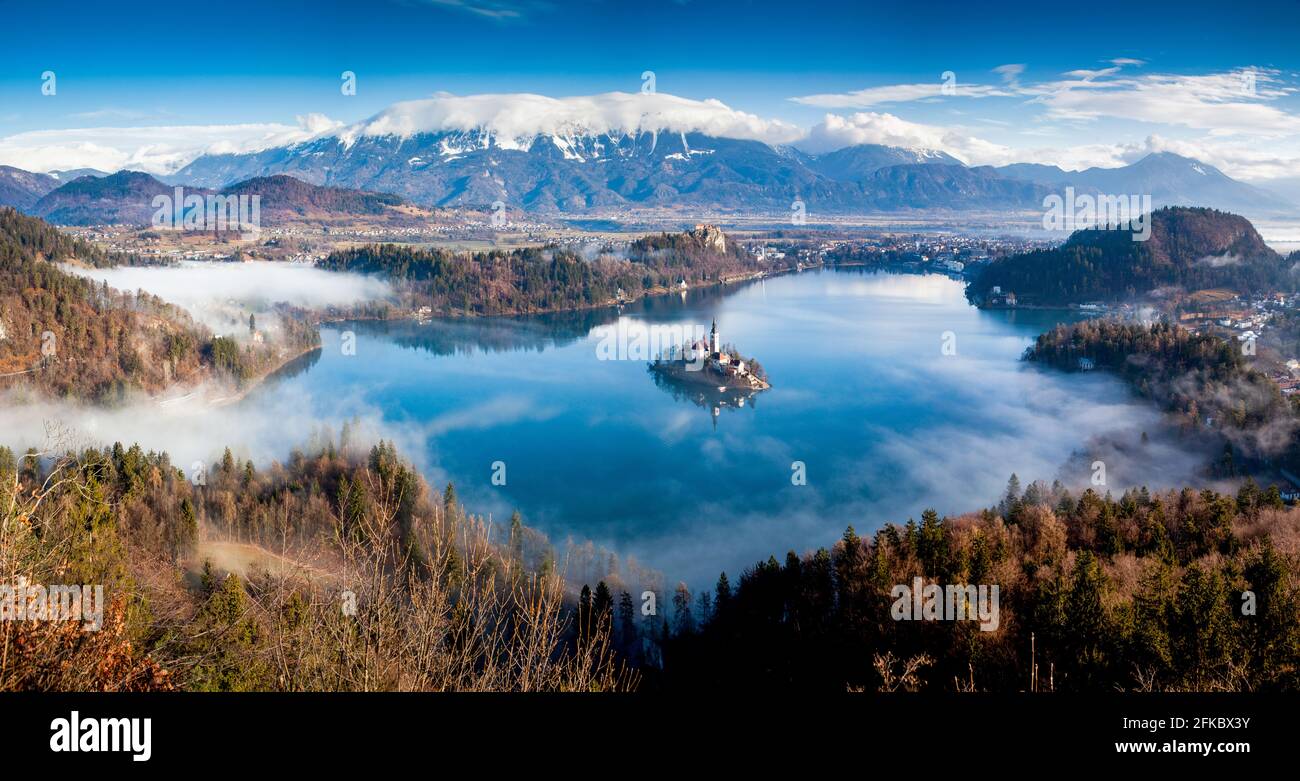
<point x="221" y="296"/>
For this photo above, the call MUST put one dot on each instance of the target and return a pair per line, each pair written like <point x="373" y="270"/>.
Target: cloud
<point x="1228" y="103"/>
<point x="1010" y="73"/>
<point x="835" y="132"/>
<point x="157" y="149"/>
<point x="899" y="93"/>
<point x="1219" y="118"/>
<point x="1219" y="261"/>
<point x="112" y="113"/>
<point x="264" y="427"/>
<point x="514" y="119"/>
<point x="1234" y="111"/>
<point x="496" y="10"/>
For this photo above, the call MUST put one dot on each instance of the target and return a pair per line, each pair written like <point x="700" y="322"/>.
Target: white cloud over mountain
<point x="1238" y="120"/>
<point x="516" y="118"/>
<point x="1244" y="127"/>
<point x="835" y="132"/>
<point x="157" y="149"/>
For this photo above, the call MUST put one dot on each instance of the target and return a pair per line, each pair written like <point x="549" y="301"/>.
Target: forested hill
<point x="233" y="584"/>
<point x="284" y="193"/>
<point x="1137" y="593"/>
<point x="37" y="238"/>
<point x="1189" y="248"/>
<point x="67" y="336"/>
<point x="546" y="279"/>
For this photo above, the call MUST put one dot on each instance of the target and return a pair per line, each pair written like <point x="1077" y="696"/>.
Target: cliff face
<point x="711" y="237"/>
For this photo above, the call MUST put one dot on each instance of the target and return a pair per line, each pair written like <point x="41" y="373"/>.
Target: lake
<point x="866" y="403"/>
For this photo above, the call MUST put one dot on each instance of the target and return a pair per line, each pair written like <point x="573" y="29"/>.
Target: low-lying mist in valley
<point x="221" y="296"/>
<point x="1085" y="431"/>
<point x="961" y="426"/>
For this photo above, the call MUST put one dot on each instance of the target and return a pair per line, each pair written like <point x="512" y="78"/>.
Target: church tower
<point x="713" y="338"/>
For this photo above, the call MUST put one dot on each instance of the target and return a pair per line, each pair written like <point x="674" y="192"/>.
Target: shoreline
<point x="240" y="393"/>
<point x="253" y="384"/>
<point x="406" y="314"/>
<point x="698" y="378"/>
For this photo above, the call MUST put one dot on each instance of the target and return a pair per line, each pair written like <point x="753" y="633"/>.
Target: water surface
<point x="864" y="402"/>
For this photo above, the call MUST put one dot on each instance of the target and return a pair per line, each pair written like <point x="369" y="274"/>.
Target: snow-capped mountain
<point x="579" y="172"/>
<point x="572" y="154"/>
<point x="653" y="150"/>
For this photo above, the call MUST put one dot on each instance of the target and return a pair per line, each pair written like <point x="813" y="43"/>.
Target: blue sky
<point x="129" y="65"/>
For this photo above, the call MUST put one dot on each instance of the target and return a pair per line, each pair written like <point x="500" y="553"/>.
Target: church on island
<point x="704" y="361"/>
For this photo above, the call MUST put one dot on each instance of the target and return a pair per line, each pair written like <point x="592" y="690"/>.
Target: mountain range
<point x="621" y="151"/>
<point x="575" y="173"/>
<point x="127" y="197"/>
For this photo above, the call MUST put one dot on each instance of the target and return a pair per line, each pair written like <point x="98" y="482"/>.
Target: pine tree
<point x="722" y="595"/>
<point x="683" y="621"/>
<point x="517" y="538"/>
<point x="584" y="622"/>
<point x="1011" y="498"/>
<point x="602" y="607"/>
<point x="626" y="622"/>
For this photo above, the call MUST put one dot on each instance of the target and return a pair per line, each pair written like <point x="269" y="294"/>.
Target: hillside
<point x="854" y="163"/>
<point x="1095" y="593"/>
<point x="21" y="189"/>
<point x="233" y="584"/>
<point x="1202" y="381"/>
<point x="284" y="198"/>
<point x="1129" y="593"/>
<point x="127" y="197"/>
<point x="68" y="337"/>
<point x="947" y="186"/>
<point x="65" y="336"/>
<point x="1189" y="248"/>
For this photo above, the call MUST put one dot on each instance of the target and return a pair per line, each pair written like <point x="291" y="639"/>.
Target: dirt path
<point x="243" y="558"/>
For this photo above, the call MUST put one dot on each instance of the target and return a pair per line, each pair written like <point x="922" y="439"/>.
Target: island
<point x="711" y="364"/>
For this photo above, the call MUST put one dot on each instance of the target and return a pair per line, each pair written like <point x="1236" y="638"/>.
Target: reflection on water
<point x="463" y="336"/>
<point x="885" y="423"/>
<point x="862" y="396"/>
<point x="714" y="400"/>
<point x="300" y="365"/>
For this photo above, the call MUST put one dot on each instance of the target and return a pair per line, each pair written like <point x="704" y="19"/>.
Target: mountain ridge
<point x="126" y="197"/>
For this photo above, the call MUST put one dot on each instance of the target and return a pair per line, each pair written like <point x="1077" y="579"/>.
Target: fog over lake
<point x="883" y="422"/>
